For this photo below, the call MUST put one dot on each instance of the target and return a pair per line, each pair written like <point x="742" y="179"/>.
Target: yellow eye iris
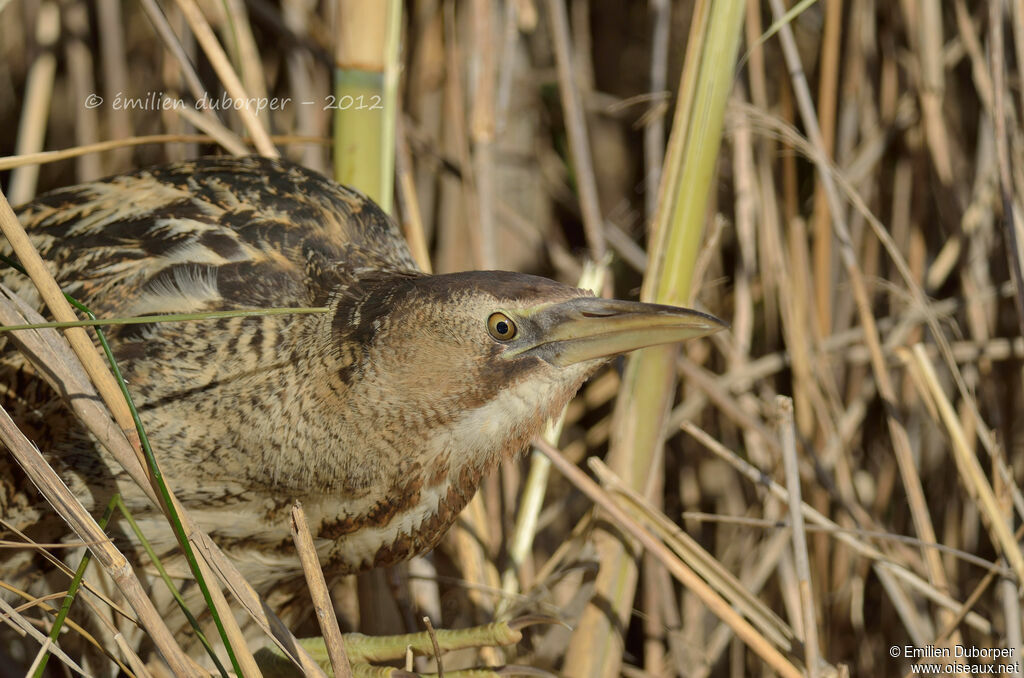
<point x="501" y="327"/>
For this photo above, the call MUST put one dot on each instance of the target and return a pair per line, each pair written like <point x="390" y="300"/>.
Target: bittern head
<point x="432" y="380"/>
<point x="484" y="358"/>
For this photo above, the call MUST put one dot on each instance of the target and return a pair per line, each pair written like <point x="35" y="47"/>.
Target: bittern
<point x="381" y="415"/>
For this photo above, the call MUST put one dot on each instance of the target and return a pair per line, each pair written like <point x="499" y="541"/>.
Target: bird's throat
<point x="424" y="499"/>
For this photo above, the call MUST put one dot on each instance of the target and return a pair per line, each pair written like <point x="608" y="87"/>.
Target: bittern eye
<point x="501" y="327"/>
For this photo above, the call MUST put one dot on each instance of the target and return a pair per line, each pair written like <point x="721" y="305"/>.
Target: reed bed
<point x="827" y="489"/>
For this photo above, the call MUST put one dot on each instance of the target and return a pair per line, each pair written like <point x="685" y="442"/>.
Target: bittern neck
<point x="428" y="487"/>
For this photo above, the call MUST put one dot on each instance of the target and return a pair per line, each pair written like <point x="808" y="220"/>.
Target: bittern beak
<point x="587" y="328"/>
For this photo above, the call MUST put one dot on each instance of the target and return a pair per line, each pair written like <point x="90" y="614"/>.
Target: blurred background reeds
<point x="834" y="481"/>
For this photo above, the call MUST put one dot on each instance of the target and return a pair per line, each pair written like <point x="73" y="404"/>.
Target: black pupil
<point x="502" y="327"/>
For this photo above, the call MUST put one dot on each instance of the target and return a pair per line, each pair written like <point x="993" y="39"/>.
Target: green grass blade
<point x="155" y="559"/>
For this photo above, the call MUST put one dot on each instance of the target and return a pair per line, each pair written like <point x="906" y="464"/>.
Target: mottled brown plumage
<point x="380" y="415"/>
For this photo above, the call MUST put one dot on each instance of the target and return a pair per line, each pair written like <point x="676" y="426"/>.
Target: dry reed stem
<point x="482" y="127"/>
<point x="927" y="35"/>
<point x="106" y="554"/>
<point x="787" y="434"/>
<point x="1010" y="199"/>
<point x="171" y="43"/>
<point x="900" y="440"/>
<point x="746" y="214"/>
<point x="576" y="128"/>
<point x="506" y="68"/>
<point x="970" y="470"/>
<point x="820" y="226"/>
<point x="233" y="632"/>
<point x="656" y="587"/>
<point x="322" y="604"/>
<point x="80" y="74"/>
<point x="13" y="618"/>
<point x="921" y="304"/>
<point x="654" y="130"/>
<point x="114" y="62"/>
<point x="237" y="34"/>
<point x="454" y="102"/>
<point x="681" y="572"/>
<point x="774" y="524"/>
<point x="43" y="604"/>
<point x="204" y="120"/>
<point x="215" y="53"/>
<point x="43" y="157"/>
<point x="140" y="669"/>
<point x="881" y="560"/>
<point x="697" y="558"/>
<point x="36" y="107"/>
<point x="408" y="201"/>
